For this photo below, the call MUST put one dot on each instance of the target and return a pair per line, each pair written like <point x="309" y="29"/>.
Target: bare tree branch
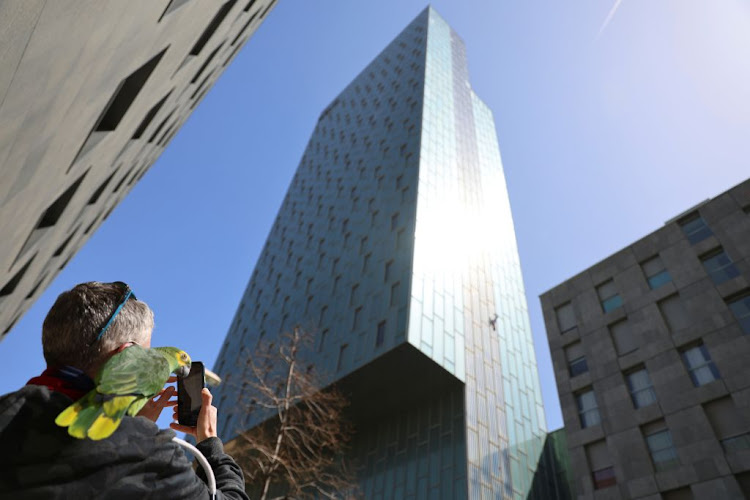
<point x="298" y="450"/>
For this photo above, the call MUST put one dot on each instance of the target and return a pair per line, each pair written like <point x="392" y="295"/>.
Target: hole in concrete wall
<point x="50" y="217"/>
<point x="65" y="243"/>
<point x="119" y="103"/>
<point x="244" y="28"/>
<point x="212" y="27"/>
<point x="171" y="7"/>
<point x="206" y="63"/>
<point x="36" y="287"/>
<point x="95" y="197"/>
<point x="234" y="52"/>
<point x="267" y="9"/>
<point x="11" y="285"/>
<point x="119" y="184"/>
<point x="161" y="126"/>
<point x="150" y="116"/>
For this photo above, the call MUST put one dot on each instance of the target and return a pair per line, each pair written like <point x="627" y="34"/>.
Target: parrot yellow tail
<point x="89" y="418"/>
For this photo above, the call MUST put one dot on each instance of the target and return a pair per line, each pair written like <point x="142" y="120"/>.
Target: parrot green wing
<point x="135" y="371"/>
<point x="124" y="385"/>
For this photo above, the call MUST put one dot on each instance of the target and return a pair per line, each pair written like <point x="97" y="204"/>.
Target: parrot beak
<point x="182" y="371"/>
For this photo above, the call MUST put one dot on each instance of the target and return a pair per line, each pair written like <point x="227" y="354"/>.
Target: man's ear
<point x="123" y="347"/>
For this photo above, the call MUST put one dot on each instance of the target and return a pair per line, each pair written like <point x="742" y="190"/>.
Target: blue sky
<point x="604" y="136"/>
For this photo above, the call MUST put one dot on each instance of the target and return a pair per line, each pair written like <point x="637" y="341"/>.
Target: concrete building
<point x="91" y="92"/>
<point x="651" y="349"/>
<point x="395" y="245"/>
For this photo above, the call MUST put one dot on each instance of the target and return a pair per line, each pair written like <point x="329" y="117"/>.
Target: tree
<point x="298" y="449"/>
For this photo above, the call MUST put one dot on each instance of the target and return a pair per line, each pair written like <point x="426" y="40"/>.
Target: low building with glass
<point x="650" y="348"/>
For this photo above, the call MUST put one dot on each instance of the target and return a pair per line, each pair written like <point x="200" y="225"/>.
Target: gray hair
<point x="78" y="315"/>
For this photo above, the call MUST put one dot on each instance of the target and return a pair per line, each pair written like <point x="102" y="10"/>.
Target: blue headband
<point x="128" y="294"/>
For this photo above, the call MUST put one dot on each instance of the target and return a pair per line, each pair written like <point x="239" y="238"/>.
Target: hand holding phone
<point x="189" y="398"/>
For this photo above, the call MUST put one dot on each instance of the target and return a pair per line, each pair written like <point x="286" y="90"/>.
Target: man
<point x="85" y="327"/>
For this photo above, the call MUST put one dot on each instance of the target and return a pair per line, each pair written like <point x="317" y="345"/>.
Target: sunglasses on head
<point x="128" y="295"/>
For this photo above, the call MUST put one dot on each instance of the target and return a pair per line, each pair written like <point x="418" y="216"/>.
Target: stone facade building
<point x="651" y="351"/>
<point x="91" y="92"/>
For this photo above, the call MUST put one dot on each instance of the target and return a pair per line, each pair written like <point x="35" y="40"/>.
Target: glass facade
<point x="395" y="244"/>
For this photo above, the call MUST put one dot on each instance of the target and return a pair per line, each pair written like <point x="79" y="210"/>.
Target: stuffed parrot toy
<point x="123" y="386"/>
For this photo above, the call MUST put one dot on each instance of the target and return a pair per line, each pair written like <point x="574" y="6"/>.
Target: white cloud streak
<point x="609" y="18"/>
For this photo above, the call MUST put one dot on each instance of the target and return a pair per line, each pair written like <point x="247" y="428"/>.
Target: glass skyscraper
<point x="395" y="246"/>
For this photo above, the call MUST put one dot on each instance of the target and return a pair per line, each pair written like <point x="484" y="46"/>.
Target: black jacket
<point x="40" y="460"/>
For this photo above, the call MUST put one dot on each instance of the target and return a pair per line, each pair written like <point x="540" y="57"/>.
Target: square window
<point x="698" y="362"/>
<point x="695" y="228"/>
<point x="719" y="266"/>
<point x="740" y="307"/>
<point x="655" y="272"/>
<point x="604" y="478"/>
<point x="387" y="274"/>
<point x="608" y="296"/>
<point x="380" y="335"/>
<point x="566" y="318"/>
<point x="395" y="289"/>
<point x="342" y="353"/>
<point x="576" y="360"/>
<point x="600" y="463"/>
<point x="357" y="318"/>
<point x="659" y="442"/>
<point x="728" y="424"/>
<point x="641" y="390"/>
<point x="366" y="263"/>
<point x="674" y="312"/>
<point x="322" y="342"/>
<point x="588" y="410"/>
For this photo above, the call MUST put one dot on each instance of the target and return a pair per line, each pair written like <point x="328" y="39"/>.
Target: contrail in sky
<point x="609" y="17"/>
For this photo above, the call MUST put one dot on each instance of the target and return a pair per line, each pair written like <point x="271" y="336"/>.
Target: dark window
<point x="698" y="362"/>
<point x="740" y="307"/>
<point x="566" y="319"/>
<point x="50" y="217"/>
<point x="695" y="228"/>
<point x="719" y="266"/>
<point x="395" y="289"/>
<point x="608" y="296"/>
<point x="11" y="285"/>
<point x="394" y="221"/>
<point x="172" y="6"/>
<point x="604" y="478"/>
<point x="380" y="336"/>
<point x="150" y="116"/>
<point x="640" y="387"/>
<point x="323" y="336"/>
<point x="342" y="353"/>
<point x="212" y="27"/>
<point x="388" y="267"/>
<point x="95" y="197"/>
<point x="206" y="63"/>
<point x="655" y="272"/>
<point x="576" y="360"/>
<point x="118" y="105"/>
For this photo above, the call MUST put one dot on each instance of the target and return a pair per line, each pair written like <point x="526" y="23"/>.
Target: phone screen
<point x="189" y="398"/>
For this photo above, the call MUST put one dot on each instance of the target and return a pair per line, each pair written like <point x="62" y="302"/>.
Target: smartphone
<point x="189" y="398"/>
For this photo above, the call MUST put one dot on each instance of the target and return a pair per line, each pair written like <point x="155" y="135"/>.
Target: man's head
<point x="69" y="334"/>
